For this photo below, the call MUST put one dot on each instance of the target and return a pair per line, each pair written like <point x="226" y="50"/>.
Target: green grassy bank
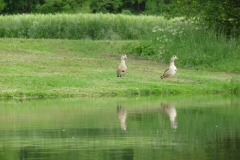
<point x="41" y="68"/>
<point x="197" y="45"/>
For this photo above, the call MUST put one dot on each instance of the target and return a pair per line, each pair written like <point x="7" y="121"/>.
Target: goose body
<point x="122" y="68"/>
<point x="171" y="70"/>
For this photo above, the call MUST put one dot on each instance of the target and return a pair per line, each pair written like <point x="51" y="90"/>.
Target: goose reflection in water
<point x="122" y="115"/>
<point x="171" y="112"/>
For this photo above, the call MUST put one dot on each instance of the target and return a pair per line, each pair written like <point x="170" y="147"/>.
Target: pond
<point x="139" y="128"/>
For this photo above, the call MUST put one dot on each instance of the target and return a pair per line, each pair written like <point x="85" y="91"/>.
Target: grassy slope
<point x="45" y="68"/>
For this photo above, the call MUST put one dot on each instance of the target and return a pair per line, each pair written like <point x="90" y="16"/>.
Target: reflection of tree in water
<point x="122" y="115"/>
<point x="171" y="112"/>
<point x="31" y="152"/>
<point x="121" y="154"/>
<point x="225" y="148"/>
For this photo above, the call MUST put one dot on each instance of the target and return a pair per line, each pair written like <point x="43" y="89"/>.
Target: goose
<point x="122" y="68"/>
<point x="171" y="70"/>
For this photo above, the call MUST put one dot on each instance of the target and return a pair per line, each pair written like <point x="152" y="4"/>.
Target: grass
<point x="199" y="45"/>
<point x="44" y="68"/>
<point x="78" y="26"/>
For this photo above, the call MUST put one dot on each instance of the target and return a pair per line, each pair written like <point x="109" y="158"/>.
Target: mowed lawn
<point x="45" y="68"/>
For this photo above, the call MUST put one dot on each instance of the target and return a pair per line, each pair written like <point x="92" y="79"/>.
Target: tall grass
<point x="78" y="26"/>
<point x="198" y="47"/>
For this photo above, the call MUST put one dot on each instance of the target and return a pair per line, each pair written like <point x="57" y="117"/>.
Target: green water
<point x="139" y="128"/>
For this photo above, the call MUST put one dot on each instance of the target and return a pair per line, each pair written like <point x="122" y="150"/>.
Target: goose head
<point x="173" y="58"/>
<point x="124" y="57"/>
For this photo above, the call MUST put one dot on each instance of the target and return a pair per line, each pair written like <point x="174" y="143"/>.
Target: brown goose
<point x="122" y="68"/>
<point x="171" y="70"/>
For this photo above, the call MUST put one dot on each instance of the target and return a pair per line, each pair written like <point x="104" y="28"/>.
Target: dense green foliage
<point x="56" y="6"/>
<point x="225" y="15"/>
<point x="19" y="6"/>
<point x="2" y="5"/>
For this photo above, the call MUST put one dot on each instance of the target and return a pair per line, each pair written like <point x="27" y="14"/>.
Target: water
<point x="139" y="128"/>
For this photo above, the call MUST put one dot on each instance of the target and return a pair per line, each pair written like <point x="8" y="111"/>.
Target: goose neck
<point x="172" y="63"/>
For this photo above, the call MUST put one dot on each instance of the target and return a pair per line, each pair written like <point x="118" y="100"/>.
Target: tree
<point x="225" y="15"/>
<point x="106" y="6"/>
<point x="59" y="6"/>
<point x="2" y="5"/>
<point x="135" y="6"/>
<point x="19" y="6"/>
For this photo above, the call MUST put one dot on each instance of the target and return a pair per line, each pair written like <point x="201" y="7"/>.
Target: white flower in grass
<point x="197" y="28"/>
<point x="165" y="40"/>
<point x="154" y="29"/>
<point x="160" y="29"/>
